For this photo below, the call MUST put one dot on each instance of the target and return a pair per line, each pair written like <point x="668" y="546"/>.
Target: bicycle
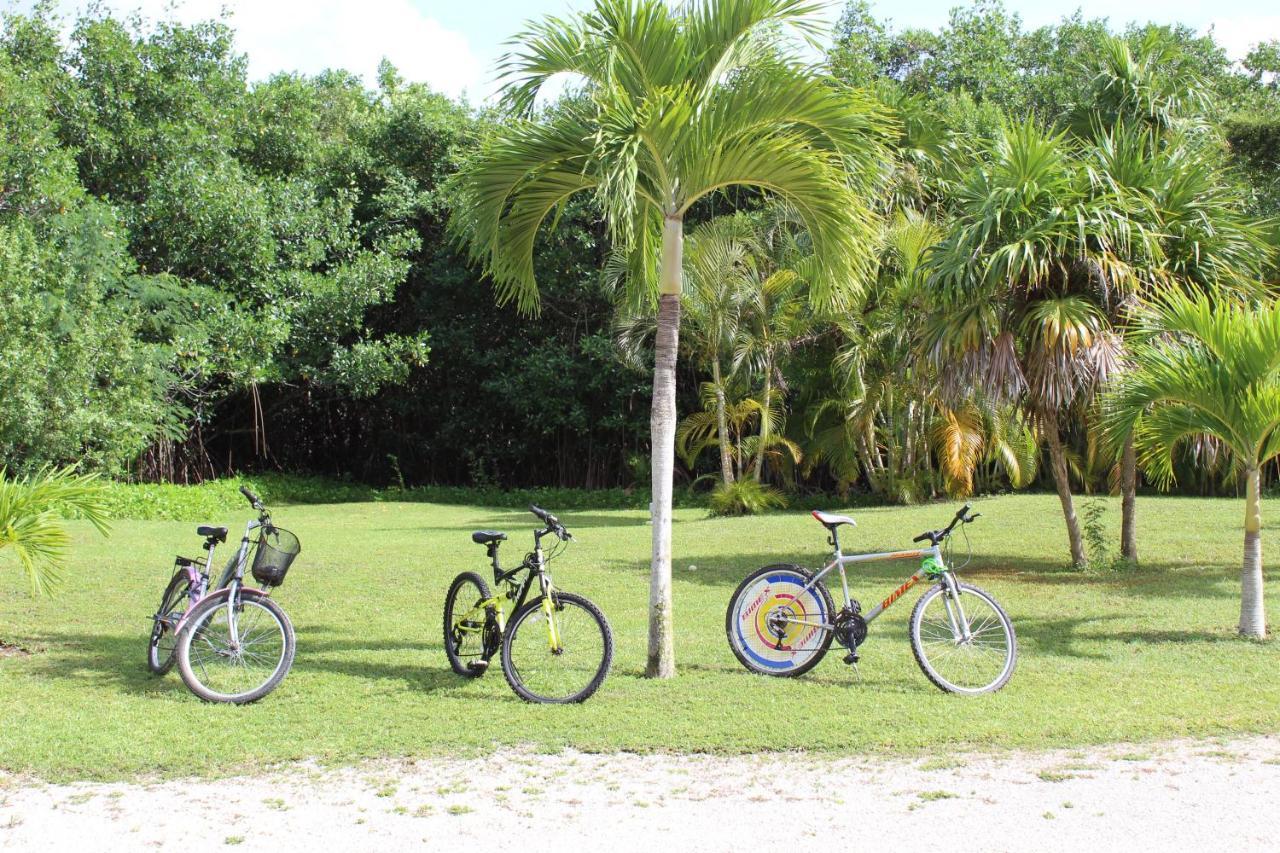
<point x="232" y="643"/>
<point x="781" y="620"/>
<point x="556" y="648"/>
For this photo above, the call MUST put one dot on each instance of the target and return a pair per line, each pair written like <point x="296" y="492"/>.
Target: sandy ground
<point x="1186" y="795"/>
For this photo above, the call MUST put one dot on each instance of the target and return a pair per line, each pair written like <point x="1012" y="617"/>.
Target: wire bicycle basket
<point x="277" y="549"/>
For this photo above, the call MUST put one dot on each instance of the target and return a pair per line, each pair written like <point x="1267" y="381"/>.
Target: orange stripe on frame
<point x="898" y="593"/>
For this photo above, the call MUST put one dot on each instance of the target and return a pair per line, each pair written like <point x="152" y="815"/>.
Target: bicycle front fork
<point x="549" y="611"/>
<point x="955" y="609"/>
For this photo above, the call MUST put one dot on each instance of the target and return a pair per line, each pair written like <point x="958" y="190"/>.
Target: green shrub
<point x="745" y="497"/>
<point x="215" y="498"/>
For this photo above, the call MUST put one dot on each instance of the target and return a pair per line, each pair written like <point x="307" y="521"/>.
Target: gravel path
<point x="1185" y="795"/>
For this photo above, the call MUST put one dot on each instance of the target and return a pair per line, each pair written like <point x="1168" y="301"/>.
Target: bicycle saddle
<point x="831" y="522"/>
<point x="219" y="533"/>
<point x="487" y="537"/>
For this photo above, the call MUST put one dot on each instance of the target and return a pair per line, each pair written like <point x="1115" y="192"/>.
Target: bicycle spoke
<point x="969" y="657"/>
<point x="560" y="671"/>
<point x="238" y="665"/>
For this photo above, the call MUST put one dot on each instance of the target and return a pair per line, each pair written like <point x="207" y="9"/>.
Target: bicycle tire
<point x="751" y="648"/>
<point x="469" y="664"/>
<point x="197" y="629"/>
<point x="929" y="661"/>
<point x="162" y="648"/>
<point x="517" y="672"/>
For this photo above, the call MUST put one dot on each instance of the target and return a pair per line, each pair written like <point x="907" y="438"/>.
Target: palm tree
<point x="1151" y="181"/>
<point x="1206" y="369"/>
<point x="1018" y="307"/>
<point x="676" y="105"/>
<point x="31" y="512"/>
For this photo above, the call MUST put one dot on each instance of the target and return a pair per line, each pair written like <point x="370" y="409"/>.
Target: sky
<point x="453" y="45"/>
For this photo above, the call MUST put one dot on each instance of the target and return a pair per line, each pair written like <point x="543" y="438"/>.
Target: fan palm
<point x="1166" y="210"/>
<point x="1147" y="82"/>
<point x="676" y="104"/>
<point x="1204" y="369"/>
<point x="31" y="513"/>
<point x="1018" y="308"/>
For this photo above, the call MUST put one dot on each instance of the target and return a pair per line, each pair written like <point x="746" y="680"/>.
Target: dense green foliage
<point x="203" y="275"/>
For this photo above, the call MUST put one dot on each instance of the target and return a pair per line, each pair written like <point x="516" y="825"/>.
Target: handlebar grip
<point x="921" y="538"/>
<point x="253" y="499"/>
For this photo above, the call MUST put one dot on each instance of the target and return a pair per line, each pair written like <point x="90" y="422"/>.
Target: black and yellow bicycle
<point x="555" y="648"/>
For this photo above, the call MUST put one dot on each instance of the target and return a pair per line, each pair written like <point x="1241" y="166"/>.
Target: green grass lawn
<point x="1138" y="655"/>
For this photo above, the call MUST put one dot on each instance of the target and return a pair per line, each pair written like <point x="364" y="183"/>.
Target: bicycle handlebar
<point x="553" y="523"/>
<point x="961" y="517"/>
<point x="254" y="500"/>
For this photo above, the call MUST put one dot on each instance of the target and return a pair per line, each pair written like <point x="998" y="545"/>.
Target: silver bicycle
<point x="232" y="643"/>
<point x="781" y="620"/>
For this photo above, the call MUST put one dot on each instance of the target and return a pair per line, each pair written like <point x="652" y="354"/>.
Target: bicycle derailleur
<point x="850" y="630"/>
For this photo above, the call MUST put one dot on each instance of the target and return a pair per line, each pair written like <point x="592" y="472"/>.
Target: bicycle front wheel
<point x="240" y="662"/>
<point x="561" y="659"/>
<point x="162" y="648"/>
<point x="963" y="640"/>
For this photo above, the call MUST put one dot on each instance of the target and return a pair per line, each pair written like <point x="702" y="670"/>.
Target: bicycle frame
<point x="231" y="577"/>
<point x="839" y="561"/>
<point x="537" y="568"/>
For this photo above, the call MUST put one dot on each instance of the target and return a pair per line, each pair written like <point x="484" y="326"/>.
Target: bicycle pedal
<point x="479" y="665"/>
<point x="852" y="659"/>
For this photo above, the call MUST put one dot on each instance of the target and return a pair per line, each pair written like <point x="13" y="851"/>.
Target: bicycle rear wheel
<point x="162" y="648"/>
<point x="470" y="634"/>
<point x="963" y="641"/>
<point x="241" y="666"/>
<point x="560" y="668"/>
<point x="775" y="600"/>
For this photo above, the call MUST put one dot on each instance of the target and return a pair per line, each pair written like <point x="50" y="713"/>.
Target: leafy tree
<point x="678" y="105"/>
<point x="1207" y="369"/>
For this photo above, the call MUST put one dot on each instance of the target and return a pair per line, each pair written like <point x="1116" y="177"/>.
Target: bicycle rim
<point x="467" y="624"/>
<point x="779" y="592"/>
<point x="563" y="671"/>
<point x="979" y="664"/>
<point x="230" y="666"/>
<point x="164" y="638"/>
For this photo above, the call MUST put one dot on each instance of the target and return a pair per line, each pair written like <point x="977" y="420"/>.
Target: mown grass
<point x="1124" y="656"/>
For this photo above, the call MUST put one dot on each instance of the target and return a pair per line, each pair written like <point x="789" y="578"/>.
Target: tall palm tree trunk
<point x="764" y="420"/>
<point x="1058" y="463"/>
<point x="1253" y="615"/>
<point x="662" y="426"/>
<point x="1129" y="502"/>
<point x="722" y="425"/>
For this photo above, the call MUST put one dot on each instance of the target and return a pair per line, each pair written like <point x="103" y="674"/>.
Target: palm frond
<point x="31" y="513"/>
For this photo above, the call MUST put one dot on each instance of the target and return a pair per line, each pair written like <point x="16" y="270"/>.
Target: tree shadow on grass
<point x="119" y="662"/>
<point x="1062" y="637"/>
<point x="516" y="524"/>
<point x="1165" y="580"/>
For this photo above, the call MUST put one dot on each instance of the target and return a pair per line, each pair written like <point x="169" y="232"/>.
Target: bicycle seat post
<point x="492" y="548"/>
